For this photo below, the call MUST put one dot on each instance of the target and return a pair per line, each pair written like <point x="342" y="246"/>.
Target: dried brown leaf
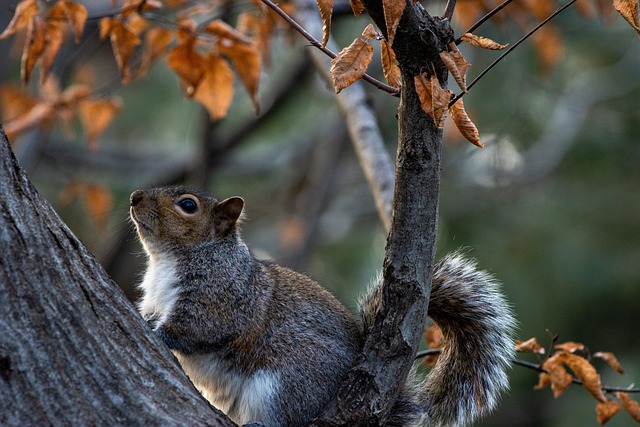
<point x="55" y="36"/>
<point x="544" y="380"/>
<point x="188" y="64"/>
<point x="464" y="123"/>
<point x="326" y="11"/>
<point x="611" y="360"/>
<point x="357" y="7"/>
<point x="585" y="373"/>
<point x="629" y="11"/>
<point x="351" y="64"/>
<point x="222" y="29"/>
<point x="606" y="410"/>
<point x="156" y="43"/>
<point x="34" y="46"/>
<point x="14" y="102"/>
<point x="247" y="62"/>
<point x="73" y="13"/>
<point x="433" y="98"/>
<point x="123" y="41"/>
<point x="390" y="68"/>
<point x="98" y="201"/>
<point x="96" y="115"/>
<point x="559" y="378"/>
<point x="393" y="10"/>
<point x="434" y="338"/>
<point x="215" y="90"/>
<point x="25" y="11"/>
<point x="370" y="32"/>
<point x="482" y="42"/>
<point x="456" y="64"/>
<point x="41" y="115"/>
<point x="549" y="47"/>
<point x="570" y="346"/>
<point x="529" y="346"/>
<point x="630" y="405"/>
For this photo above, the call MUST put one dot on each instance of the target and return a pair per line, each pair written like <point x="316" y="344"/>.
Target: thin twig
<point x="315" y="43"/>
<point x="536" y="367"/>
<point x="510" y="49"/>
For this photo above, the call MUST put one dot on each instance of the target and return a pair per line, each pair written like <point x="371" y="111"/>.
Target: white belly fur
<point x="244" y="398"/>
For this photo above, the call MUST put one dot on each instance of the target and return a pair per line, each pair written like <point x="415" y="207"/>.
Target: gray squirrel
<point x="268" y="345"/>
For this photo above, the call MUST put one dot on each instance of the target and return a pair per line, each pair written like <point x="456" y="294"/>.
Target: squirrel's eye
<point x="188" y="205"/>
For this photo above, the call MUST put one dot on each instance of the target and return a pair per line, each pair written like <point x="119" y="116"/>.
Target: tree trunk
<point x="73" y="350"/>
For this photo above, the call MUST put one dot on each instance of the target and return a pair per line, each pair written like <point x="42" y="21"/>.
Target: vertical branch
<point x="372" y="386"/>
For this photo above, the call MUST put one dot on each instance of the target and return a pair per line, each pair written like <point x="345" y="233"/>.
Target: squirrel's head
<point x="175" y="217"/>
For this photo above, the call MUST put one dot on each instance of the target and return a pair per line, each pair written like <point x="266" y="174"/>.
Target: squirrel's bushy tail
<point x="477" y="325"/>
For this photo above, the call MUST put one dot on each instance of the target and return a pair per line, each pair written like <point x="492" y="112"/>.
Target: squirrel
<point x="269" y="345"/>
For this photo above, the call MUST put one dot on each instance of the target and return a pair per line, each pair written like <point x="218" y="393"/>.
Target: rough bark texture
<point x="373" y="384"/>
<point x="73" y="350"/>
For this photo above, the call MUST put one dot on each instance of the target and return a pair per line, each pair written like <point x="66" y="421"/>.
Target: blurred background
<point x="551" y="205"/>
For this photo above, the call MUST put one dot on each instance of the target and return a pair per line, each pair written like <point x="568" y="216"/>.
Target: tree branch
<point x="315" y="43"/>
<point x="361" y="122"/>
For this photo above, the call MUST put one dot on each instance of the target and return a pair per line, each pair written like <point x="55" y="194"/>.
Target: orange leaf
<point x="606" y="410"/>
<point x="96" y="115"/>
<point x="433" y="337"/>
<point x="215" y="90"/>
<point x="464" y="123"/>
<point x="25" y="11"/>
<point x="156" y="43"/>
<point x="482" y="42"/>
<point x="357" y="7"/>
<point x="123" y="41"/>
<point x="370" y="32"/>
<point x="611" y="360"/>
<point x="351" y="64"/>
<point x="549" y="47"/>
<point x="14" y="102"/>
<point x="55" y="37"/>
<point x="529" y="346"/>
<point x="456" y="64"/>
<point x="433" y="98"/>
<point x="586" y="373"/>
<point x="393" y="10"/>
<point x="188" y="64"/>
<point x="247" y="63"/>
<point x="570" y="346"/>
<point x="75" y="14"/>
<point x="390" y="69"/>
<point x="629" y="11"/>
<point x="326" y="10"/>
<point x="544" y="380"/>
<point x="632" y="407"/>
<point x="98" y="202"/>
<point x="33" y="46"/>
<point x="559" y="378"/>
<point x="222" y="29"/>
<point x="42" y="114"/>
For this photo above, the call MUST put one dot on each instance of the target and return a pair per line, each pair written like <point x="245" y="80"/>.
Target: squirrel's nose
<point x="136" y="197"/>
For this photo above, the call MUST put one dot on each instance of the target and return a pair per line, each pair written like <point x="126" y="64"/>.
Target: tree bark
<point x="373" y="384"/>
<point x="73" y="350"/>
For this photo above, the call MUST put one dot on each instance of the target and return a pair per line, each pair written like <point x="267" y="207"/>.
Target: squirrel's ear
<point x="227" y="215"/>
